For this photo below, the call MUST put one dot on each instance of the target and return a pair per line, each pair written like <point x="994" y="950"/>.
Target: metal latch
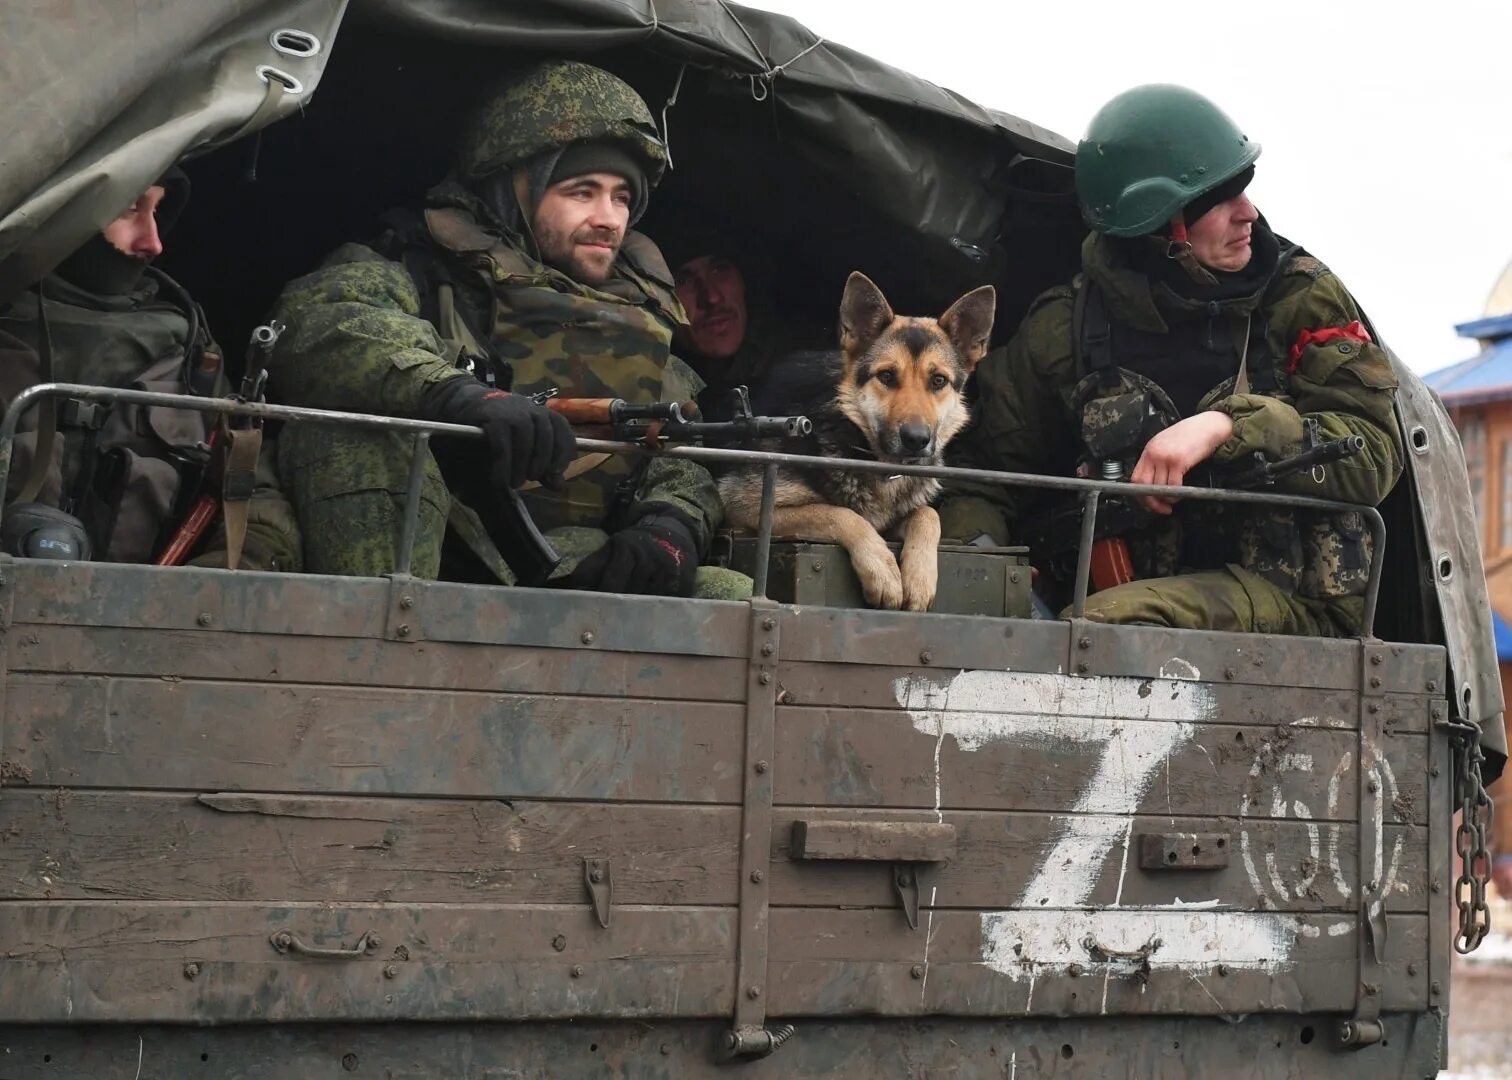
<point x="909" y="845"/>
<point x="599" y="878"/>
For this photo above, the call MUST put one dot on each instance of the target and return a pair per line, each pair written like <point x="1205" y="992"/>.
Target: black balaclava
<point x="98" y="267"/>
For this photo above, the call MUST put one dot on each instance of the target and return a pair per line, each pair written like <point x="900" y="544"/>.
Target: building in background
<point x="1478" y="394"/>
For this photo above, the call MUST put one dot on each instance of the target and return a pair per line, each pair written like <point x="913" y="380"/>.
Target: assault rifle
<point x="1059" y="533"/>
<point x="528" y="552"/>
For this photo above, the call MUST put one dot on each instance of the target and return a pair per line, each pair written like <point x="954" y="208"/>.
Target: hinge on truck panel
<point x="598" y="876"/>
<point x="1364" y="1027"/>
<point x="749" y="1037"/>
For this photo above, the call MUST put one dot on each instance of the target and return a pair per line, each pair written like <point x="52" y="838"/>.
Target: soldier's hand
<point x="525" y="441"/>
<point x="657" y="556"/>
<point x="1174" y="452"/>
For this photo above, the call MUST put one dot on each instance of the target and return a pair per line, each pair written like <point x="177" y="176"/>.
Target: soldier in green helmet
<point x="1193" y="337"/>
<point x="519" y="275"/>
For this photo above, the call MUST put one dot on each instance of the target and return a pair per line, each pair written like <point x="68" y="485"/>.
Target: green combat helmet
<point x="552" y="105"/>
<point x="1151" y="151"/>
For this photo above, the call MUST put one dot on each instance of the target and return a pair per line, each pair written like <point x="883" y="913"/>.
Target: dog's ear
<point x="864" y="314"/>
<point x="968" y="323"/>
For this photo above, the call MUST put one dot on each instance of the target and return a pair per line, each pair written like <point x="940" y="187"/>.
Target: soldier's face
<point x="1220" y="238"/>
<point x="135" y="232"/>
<point x="713" y="291"/>
<point x="580" y="224"/>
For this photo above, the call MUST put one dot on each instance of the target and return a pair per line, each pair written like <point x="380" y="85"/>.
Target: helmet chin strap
<point x="1180" y="249"/>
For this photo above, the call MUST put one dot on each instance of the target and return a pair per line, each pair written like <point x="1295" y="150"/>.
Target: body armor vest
<point x="1324" y="556"/>
<point x="546" y="330"/>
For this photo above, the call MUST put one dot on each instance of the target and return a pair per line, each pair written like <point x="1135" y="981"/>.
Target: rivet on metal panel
<point x="768" y="649"/>
<point x="373" y="942"/>
<point x="762" y="766"/>
<point x="917" y="971"/>
<point x="1437" y="886"/>
<point x="1373" y="786"/>
<point x="1013" y="576"/>
<point x="577" y="971"/>
<point x="757" y="877"/>
<point x="926" y="657"/>
<point x="586" y="637"/>
<point x="559" y="942"/>
<point x="1436" y="988"/>
<point x="1375" y="682"/>
<point x="406" y="602"/>
<point x="390" y="971"/>
<point x="768" y="623"/>
<point x="1375" y="658"/>
<point x="765" y="678"/>
<point x="1432" y="686"/>
<point x="1434" y="771"/>
<point x="665" y="1049"/>
<point x="191" y="970"/>
<point x="1412" y="969"/>
<point x="1229" y="673"/>
<point x="1371" y="989"/>
<point x="1081" y="668"/>
<point x="753" y="992"/>
<point x="1372" y="708"/>
<point x="349" y="1062"/>
<point x="204" y="618"/>
<point x="817" y="567"/>
<point x="1074" y="970"/>
<point x="404" y="630"/>
<point x="1223" y="969"/>
<point x="1372" y="886"/>
<point x="1084" y="643"/>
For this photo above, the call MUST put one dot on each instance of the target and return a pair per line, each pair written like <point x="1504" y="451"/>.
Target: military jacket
<point x="1039" y="411"/>
<point x="130" y="480"/>
<point x="364" y="334"/>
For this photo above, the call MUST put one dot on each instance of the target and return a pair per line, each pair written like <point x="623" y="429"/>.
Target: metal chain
<point x="1476" y="810"/>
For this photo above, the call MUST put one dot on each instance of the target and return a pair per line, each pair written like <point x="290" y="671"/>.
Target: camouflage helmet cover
<point x="553" y="105"/>
<point x="1151" y="151"/>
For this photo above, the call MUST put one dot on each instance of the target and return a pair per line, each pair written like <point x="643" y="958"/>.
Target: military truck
<point x="269" y="825"/>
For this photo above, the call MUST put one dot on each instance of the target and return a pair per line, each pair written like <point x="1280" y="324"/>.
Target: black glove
<point x="656" y="556"/>
<point x="526" y="441"/>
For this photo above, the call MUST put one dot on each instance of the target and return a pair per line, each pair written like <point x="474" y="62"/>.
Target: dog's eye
<point x="887" y="377"/>
<point x="938" y="381"/>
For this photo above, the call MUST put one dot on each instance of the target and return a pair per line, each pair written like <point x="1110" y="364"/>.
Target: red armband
<point x="1355" y="331"/>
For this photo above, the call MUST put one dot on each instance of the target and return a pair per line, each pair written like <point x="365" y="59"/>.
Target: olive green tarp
<point x="97" y="108"/>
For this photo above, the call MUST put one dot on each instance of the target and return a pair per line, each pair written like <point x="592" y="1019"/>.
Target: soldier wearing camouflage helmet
<point x="1194" y="336"/>
<point x="521" y="274"/>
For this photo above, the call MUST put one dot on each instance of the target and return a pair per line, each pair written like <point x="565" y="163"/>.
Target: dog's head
<point x="902" y="377"/>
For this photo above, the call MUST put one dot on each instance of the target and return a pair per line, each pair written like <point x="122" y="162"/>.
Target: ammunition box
<point x="973" y="580"/>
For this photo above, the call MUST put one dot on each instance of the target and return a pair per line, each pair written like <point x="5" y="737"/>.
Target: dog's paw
<point x="881" y="580"/>
<point x="921" y="578"/>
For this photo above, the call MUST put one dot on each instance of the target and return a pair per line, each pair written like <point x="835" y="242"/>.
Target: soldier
<point x="113" y="481"/>
<point x="521" y="272"/>
<point x="733" y="334"/>
<point x="1193" y="335"/>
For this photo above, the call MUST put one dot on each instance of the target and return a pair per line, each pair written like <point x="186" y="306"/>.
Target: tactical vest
<point x="1323" y="556"/>
<point x="541" y="329"/>
<point x="127" y="471"/>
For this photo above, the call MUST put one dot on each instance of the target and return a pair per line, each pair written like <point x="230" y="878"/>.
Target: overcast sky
<point x="1386" y="128"/>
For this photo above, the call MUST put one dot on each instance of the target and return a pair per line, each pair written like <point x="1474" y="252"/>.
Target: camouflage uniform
<point x="137" y="494"/>
<point x="1275" y="571"/>
<point x="365" y="334"/>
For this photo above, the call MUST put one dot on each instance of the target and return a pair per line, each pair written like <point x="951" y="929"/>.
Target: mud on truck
<point x="276" y="825"/>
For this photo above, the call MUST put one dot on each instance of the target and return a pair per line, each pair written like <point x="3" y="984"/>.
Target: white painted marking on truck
<point x="1123" y="869"/>
<point x="1139" y="724"/>
<point x="1346" y="761"/>
<point x="1339" y="929"/>
<point x="1024" y="944"/>
<point x="1177" y="668"/>
<point x="1313" y="852"/>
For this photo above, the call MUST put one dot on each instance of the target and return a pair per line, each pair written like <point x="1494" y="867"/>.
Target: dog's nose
<point x="915" y="437"/>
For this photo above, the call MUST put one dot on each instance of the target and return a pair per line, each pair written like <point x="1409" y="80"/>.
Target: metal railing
<point x="770" y="461"/>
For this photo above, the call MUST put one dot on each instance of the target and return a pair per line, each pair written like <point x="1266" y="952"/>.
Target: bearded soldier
<point x="1194" y="336"/>
<point x="520" y="274"/>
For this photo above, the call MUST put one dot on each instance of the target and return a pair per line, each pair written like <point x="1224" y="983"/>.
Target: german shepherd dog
<point x="892" y="394"/>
